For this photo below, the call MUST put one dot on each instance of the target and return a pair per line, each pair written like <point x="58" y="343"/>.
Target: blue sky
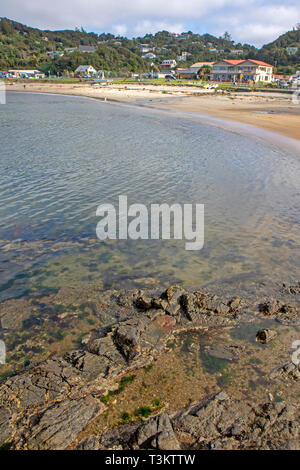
<point x="254" y="21"/>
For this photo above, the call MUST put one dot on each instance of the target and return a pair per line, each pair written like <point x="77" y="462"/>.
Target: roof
<point x="240" y="61"/>
<point x="87" y="48"/>
<point x="259" y="62"/>
<point x="191" y="71"/>
<point x="283" y="76"/>
<point x="233" y="61"/>
<point x="200" y="64"/>
<point x="84" y="67"/>
<point x="24" y="70"/>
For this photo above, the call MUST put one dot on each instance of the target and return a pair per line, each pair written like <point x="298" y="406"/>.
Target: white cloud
<point x="260" y="25"/>
<point x="146" y="26"/>
<point x="119" y="29"/>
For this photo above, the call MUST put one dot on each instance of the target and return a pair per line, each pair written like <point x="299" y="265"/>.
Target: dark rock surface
<point x="286" y="371"/>
<point x="217" y="422"/>
<point x="265" y="336"/>
<point x="48" y="405"/>
<point x="283" y="313"/>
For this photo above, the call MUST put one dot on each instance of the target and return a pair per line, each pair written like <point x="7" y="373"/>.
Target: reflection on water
<point x="61" y="157"/>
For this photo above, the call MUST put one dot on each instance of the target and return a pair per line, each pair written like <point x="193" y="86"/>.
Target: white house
<point x="85" y="70"/>
<point x="183" y="56"/>
<point x="18" y="73"/>
<point x="54" y="54"/>
<point x="168" y="64"/>
<point x="144" y="48"/>
<point x="242" y="70"/>
<point x="70" y="50"/>
<point x="150" y="55"/>
<point x="87" y="49"/>
<point x="291" y="50"/>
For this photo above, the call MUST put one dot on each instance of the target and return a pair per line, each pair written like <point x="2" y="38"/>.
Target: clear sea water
<point x="63" y="156"/>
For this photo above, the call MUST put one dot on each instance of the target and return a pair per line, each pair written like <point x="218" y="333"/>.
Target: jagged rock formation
<point x="217" y="422"/>
<point x="48" y="405"/>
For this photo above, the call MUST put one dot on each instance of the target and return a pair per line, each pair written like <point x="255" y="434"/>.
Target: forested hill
<point x="23" y="46"/>
<point x="284" y="51"/>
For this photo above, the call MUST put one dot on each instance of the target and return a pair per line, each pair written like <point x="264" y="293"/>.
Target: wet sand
<point x="272" y="111"/>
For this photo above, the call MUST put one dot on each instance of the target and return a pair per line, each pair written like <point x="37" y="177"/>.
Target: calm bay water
<point x="62" y="156"/>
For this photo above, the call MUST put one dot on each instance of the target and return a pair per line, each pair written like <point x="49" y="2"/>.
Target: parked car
<point x="170" y="77"/>
<point x="283" y="84"/>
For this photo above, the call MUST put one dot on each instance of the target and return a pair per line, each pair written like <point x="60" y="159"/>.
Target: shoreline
<point x="153" y="358"/>
<point x="254" y="113"/>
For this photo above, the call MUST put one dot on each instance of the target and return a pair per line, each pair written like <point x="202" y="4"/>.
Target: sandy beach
<point x="272" y="111"/>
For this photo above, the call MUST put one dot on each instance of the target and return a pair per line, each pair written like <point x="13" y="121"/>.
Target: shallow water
<point x="63" y="156"/>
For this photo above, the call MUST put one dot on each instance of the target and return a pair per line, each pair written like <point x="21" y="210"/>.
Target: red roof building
<point x="246" y="70"/>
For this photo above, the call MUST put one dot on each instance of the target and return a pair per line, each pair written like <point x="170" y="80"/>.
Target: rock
<point x="269" y="308"/>
<point x="5" y="428"/>
<point x="288" y="370"/>
<point x="47" y="405"/>
<point x="229" y="352"/>
<point x="143" y="302"/>
<point x="291" y="290"/>
<point x="89" y="443"/>
<point x="56" y="426"/>
<point x="219" y="422"/>
<point x="156" y="433"/>
<point x="86" y="339"/>
<point x="127" y="338"/>
<point x="265" y="336"/>
<point x="283" y="313"/>
<point x="203" y="308"/>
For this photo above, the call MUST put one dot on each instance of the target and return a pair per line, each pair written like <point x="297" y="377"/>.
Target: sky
<point x="255" y="22"/>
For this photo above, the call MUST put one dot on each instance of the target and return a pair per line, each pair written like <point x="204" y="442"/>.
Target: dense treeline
<point x="23" y="46"/>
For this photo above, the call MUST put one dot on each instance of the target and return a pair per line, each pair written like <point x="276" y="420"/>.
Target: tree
<point x="227" y="36"/>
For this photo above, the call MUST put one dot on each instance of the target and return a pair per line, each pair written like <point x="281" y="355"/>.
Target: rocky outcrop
<point x="284" y="313"/>
<point x="217" y="422"/>
<point x="265" y="335"/>
<point x="288" y="370"/>
<point x="46" y="406"/>
<point x="156" y="433"/>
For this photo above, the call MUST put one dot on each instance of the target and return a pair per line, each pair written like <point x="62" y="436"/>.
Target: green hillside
<point x="277" y="52"/>
<point x="26" y="47"/>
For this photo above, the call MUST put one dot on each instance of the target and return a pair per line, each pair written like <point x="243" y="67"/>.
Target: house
<point x="183" y="57"/>
<point x="291" y="50"/>
<point x="187" y="73"/>
<point x="236" y="51"/>
<point x="85" y="70"/>
<point x="168" y="64"/>
<point x="87" y="49"/>
<point x="144" y="48"/>
<point x="150" y="55"/>
<point x="242" y="70"/>
<point x="286" y="78"/>
<point x="54" y="54"/>
<point x="16" y="73"/>
<point x="194" y="70"/>
<point x="70" y="50"/>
